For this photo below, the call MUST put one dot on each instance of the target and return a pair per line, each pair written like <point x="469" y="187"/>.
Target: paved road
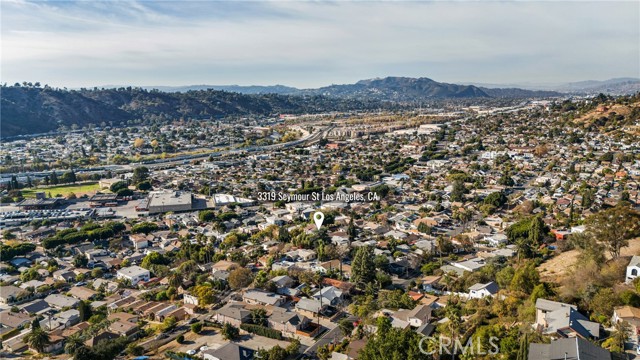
<point x="334" y="335"/>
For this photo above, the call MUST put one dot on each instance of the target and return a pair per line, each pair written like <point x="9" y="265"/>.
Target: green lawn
<point x="64" y="190"/>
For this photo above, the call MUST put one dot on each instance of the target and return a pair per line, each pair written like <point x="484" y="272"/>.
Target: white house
<point x="190" y="299"/>
<point x="479" y="291"/>
<point x="135" y="274"/>
<point x="633" y="269"/>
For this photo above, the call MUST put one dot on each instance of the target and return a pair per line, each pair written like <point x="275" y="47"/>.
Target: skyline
<point x="314" y="44"/>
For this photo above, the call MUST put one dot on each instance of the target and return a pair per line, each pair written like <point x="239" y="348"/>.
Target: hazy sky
<point x="310" y="44"/>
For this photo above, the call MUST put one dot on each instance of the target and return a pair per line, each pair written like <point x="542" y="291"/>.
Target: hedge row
<point x="262" y="331"/>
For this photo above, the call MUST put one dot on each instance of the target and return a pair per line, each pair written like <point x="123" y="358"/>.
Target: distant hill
<point x="617" y="86"/>
<point x="403" y="89"/>
<point x="30" y="110"/>
<point x="251" y="89"/>
<point x="400" y="89"/>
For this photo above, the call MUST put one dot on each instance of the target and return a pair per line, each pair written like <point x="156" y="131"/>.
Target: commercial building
<point x="174" y="201"/>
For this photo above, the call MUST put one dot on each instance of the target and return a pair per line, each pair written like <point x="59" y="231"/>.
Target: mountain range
<point x="31" y="109"/>
<point x="404" y="88"/>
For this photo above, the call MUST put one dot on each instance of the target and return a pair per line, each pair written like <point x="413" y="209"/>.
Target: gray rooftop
<point x="570" y="348"/>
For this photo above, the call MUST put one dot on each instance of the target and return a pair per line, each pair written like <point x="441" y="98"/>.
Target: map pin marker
<point x="318" y="217"/>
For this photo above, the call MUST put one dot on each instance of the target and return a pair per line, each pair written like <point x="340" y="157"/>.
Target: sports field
<point x="64" y="190"/>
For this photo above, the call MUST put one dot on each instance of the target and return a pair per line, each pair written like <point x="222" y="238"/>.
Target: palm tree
<point x="37" y="339"/>
<point x="175" y="279"/>
<point x="73" y="343"/>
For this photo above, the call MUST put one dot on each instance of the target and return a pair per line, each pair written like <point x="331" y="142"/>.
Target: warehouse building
<point x="165" y="201"/>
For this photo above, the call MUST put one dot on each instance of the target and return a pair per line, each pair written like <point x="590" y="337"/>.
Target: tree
<point x="391" y="343"/>
<point x="363" y="268"/>
<point x="240" y="277"/>
<point x="117" y="186"/>
<point x="37" y="339"/>
<point x="523" y="349"/>
<point x="206" y="215"/>
<point x="458" y="191"/>
<point x="153" y="258"/>
<point x="68" y="177"/>
<point x="196" y="328"/>
<point x="615" y="227"/>
<point x="97" y="273"/>
<point x="140" y="174"/>
<point x="169" y="323"/>
<point x="346" y="326"/>
<point x="135" y="350"/>
<point x="73" y="343"/>
<point x="259" y="316"/>
<point x="85" y="311"/>
<point x="205" y="294"/>
<point x="144" y="227"/>
<point x="618" y="337"/>
<point x="496" y="199"/>
<point x="175" y="279"/>
<point x="526" y="277"/>
<point x="144" y="185"/>
<point x="229" y="332"/>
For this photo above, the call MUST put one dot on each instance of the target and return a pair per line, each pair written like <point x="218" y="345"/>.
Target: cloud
<point x="316" y="43"/>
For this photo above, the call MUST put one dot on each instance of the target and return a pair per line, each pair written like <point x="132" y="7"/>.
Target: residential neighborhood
<point x="201" y="241"/>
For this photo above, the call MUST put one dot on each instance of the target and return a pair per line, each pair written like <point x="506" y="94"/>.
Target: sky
<point x="316" y="43"/>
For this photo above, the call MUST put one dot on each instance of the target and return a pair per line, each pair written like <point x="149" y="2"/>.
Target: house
<point x="256" y="297"/>
<point x="68" y="318"/>
<point x="564" y="320"/>
<point x="310" y="307"/>
<point x="13" y="320"/>
<point x="135" y="274"/>
<point x="301" y="255"/>
<point x="37" y="307"/>
<point x="633" y="269"/>
<point x="470" y="265"/>
<point x="103" y="336"/>
<point x="190" y="299"/>
<point x="82" y="293"/>
<point x="139" y="241"/>
<point x="417" y="317"/>
<point x="287" y="321"/>
<point x="232" y="313"/>
<point x="124" y="328"/>
<point x="56" y="344"/>
<point x="230" y="351"/>
<point x="64" y="275"/>
<point x="430" y="283"/>
<point x="9" y="294"/>
<point x="479" y="291"/>
<point x="562" y="349"/>
<point x="629" y="314"/>
<point x="329" y="295"/>
<point x="61" y="301"/>
<point x="283" y="281"/>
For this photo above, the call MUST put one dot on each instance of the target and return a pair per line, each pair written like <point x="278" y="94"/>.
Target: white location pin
<point x="318" y="217"/>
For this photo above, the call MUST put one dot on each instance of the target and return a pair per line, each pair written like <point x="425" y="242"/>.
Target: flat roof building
<point x="174" y="201"/>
